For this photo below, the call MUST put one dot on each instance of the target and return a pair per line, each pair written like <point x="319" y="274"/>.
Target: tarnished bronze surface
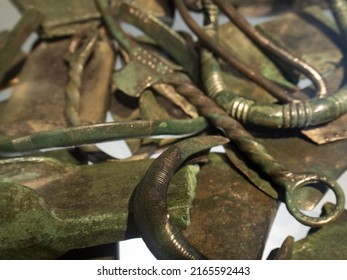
<point x="150" y="110"/>
<point x="333" y="131"/>
<point x="263" y="7"/>
<point x="292" y="148"/>
<point x="321" y="50"/>
<point x="169" y="93"/>
<point x="327" y="243"/>
<point x="34" y="108"/>
<point x="19" y="57"/>
<point x="48" y="207"/>
<point x="230" y="219"/>
<point x="64" y="18"/>
<point x="11" y="47"/>
<point x="159" y="8"/>
<point x="300" y="154"/>
<point x="254" y="58"/>
<point x="284" y="252"/>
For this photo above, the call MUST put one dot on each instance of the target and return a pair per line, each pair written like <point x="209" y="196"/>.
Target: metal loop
<point x="302" y="180"/>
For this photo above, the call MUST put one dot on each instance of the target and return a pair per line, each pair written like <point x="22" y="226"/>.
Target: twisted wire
<point x="245" y="142"/>
<point x="77" y="58"/>
<point x="267" y="165"/>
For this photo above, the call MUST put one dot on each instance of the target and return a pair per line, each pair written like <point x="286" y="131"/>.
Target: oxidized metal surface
<point x="322" y="50"/>
<point x="311" y="196"/>
<point x="11" y="47"/>
<point x="33" y="109"/>
<point x="67" y="82"/>
<point x="276" y="51"/>
<point x="284" y="252"/>
<point x="331" y="132"/>
<point x="327" y="243"/>
<point x="55" y="204"/>
<point x="15" y="59"/>
<point x="169" y="39"/>
<point x="252" y="56"/>
<point x="160" y="8"/>
<point x="64" y="19"/>
<point x="151" y="216"/>
<point x="300" y="154"/>
<point x="230" y="219"/>
<point x="267" y="7"/>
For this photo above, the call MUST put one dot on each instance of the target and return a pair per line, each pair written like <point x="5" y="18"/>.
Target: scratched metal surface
<point x="283" y="225"/>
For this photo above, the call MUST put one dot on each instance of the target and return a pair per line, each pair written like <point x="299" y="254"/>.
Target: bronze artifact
<point x="171" y="95"/>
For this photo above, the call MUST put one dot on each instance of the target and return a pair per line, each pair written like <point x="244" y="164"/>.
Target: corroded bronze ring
<point x="301" y="180"/>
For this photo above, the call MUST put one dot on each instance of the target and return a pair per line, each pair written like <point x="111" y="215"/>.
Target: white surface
<point x="135" y="249"/>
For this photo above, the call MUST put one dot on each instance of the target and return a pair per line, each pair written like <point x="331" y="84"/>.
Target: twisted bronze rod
<point x="267" y="165"/>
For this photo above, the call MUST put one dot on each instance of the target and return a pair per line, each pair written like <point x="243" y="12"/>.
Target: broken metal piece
<point x="207" y="39"/>
<point x="48" y="207"/>
<point x="327" y="243"/>
<point x="34" y="108"/>
<point x="9" y="79"/>
<point x="10" y="49"/>
<point x="333" y="131"/>
<point x="298" y="114"/>
<point x="155" y="225"/>
<point x="282" y="54"/>
<point x="91" y="134"/>
<point x="284" y="252"/>
<point x="169" y="93"/>
<point x="169" y="39"/>
<point x="63" y="18"/>
<point x="253" y="56"/>
<point x="230" y="219"/>
<point x="161" y="9"/>
<point x="265" y="7"/>
<point x="145" y="68"/>
<point x="322" y="50"/>
<point x="288" y="182"/>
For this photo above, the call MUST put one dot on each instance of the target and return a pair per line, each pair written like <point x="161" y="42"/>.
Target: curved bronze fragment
<point x="209" y="42"/>
<point x="263" y="42"/>
<point x="161" y="236"/>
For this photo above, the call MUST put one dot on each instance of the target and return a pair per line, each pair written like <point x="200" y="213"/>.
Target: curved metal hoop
<point x="302" y="180"/>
